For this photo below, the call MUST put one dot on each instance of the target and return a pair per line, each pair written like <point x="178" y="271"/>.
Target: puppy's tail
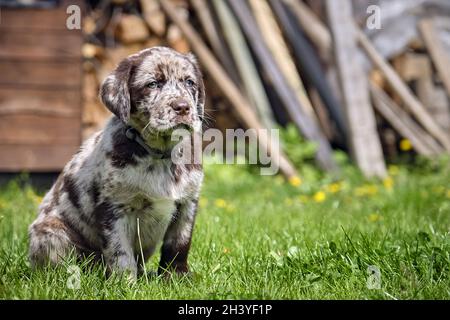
<point x="49" y="243"/>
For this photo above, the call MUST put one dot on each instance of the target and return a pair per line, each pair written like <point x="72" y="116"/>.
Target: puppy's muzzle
<point x="181" y="107"/>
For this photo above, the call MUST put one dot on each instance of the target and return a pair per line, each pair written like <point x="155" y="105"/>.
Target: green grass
<point x="262" y="238"/>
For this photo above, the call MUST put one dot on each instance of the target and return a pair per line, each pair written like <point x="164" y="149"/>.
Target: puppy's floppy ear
<point x="115" y="93"/>
<point x="201" y="86"/>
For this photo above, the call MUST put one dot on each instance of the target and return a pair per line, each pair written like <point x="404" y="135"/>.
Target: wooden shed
<point x="40" y="88"/>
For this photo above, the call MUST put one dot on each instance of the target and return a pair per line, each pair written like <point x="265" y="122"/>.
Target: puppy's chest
<point x="153" y="181"/>
<point x="153" y="213"/>
<point x="150" y="220"/>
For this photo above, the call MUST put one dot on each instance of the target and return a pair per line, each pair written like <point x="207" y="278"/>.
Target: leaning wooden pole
<point x="363" y="136"/>
<point x="313" y="27"/>
<point x="310" y="65"/>
<point x="273" y="37"/>
<point x="422" y="142"/>
<point x="437" y="51"/>
<point x="307" y="127"/>
<point x="244" y="62"/>
<point x="240" y="103"/>
<point x="206" y="20"/>
<point x="410" y="101"/>
<point x="319" y="34"/>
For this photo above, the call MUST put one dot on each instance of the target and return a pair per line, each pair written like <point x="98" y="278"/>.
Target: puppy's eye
<point x="190" y="83"/>
<point x="153" y="85"/>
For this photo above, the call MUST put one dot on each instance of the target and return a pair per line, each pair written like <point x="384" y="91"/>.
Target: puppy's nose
<point x="181" y="107"/>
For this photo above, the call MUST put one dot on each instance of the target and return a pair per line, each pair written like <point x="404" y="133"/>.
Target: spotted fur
<point x="112" y="184"/>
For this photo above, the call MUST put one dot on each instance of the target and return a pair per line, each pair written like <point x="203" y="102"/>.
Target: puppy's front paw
<point x="128" y="275"/>
<point x="174" y="272"/>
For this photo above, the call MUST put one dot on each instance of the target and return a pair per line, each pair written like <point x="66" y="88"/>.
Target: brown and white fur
<point x="112" y="182"/>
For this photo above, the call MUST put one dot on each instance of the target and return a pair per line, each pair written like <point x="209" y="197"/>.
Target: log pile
<point x="318" y="64"/>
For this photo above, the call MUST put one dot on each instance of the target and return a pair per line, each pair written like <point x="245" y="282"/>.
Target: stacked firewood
<point x="317" y="64"/>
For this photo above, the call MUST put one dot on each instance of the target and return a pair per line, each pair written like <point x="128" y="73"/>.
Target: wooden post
<point x="240" y="103"/>
<point x="363" y="136"/>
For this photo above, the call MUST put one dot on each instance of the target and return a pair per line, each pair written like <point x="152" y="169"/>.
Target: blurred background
<point x="370" y="78"/>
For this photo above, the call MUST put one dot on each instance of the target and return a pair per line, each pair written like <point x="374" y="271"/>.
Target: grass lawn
<point x="263" y="238"/>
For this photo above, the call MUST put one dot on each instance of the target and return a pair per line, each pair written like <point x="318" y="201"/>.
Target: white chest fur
<point x="153" y="180"/>
<point x="151" y="224"/>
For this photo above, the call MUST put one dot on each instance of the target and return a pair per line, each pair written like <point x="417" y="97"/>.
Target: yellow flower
<point x="360" y="191"/>
<point x="295" y="181"/>
<point x="319" y="196"/>
<point x="405" y="145"/>
<point x="372" y="190"/>
<point x="226" y="250"/>
<point x="334" y="187"/>
<point x="374" y="217"/>
<point x="388" y="183"/>
<point x="448" y="193"/>
<point x="393" y="170"/>
<point x="366" y="190"/>
<point x="220" y="203"/>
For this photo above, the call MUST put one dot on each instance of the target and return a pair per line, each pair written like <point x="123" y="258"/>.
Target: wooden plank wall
<point x="40" y="89"/>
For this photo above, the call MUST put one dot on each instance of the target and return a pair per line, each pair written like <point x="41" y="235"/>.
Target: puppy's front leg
<point x="118" y="250"/>
<point x="177" y="240"/>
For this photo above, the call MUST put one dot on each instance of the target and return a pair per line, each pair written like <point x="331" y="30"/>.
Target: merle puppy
<point x="122" y="194"/>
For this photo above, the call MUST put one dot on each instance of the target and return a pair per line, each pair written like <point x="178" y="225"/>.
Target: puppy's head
<point x="156" y="90"/>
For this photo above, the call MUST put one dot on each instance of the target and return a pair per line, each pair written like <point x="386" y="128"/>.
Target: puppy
<point x="122" y="194"/>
